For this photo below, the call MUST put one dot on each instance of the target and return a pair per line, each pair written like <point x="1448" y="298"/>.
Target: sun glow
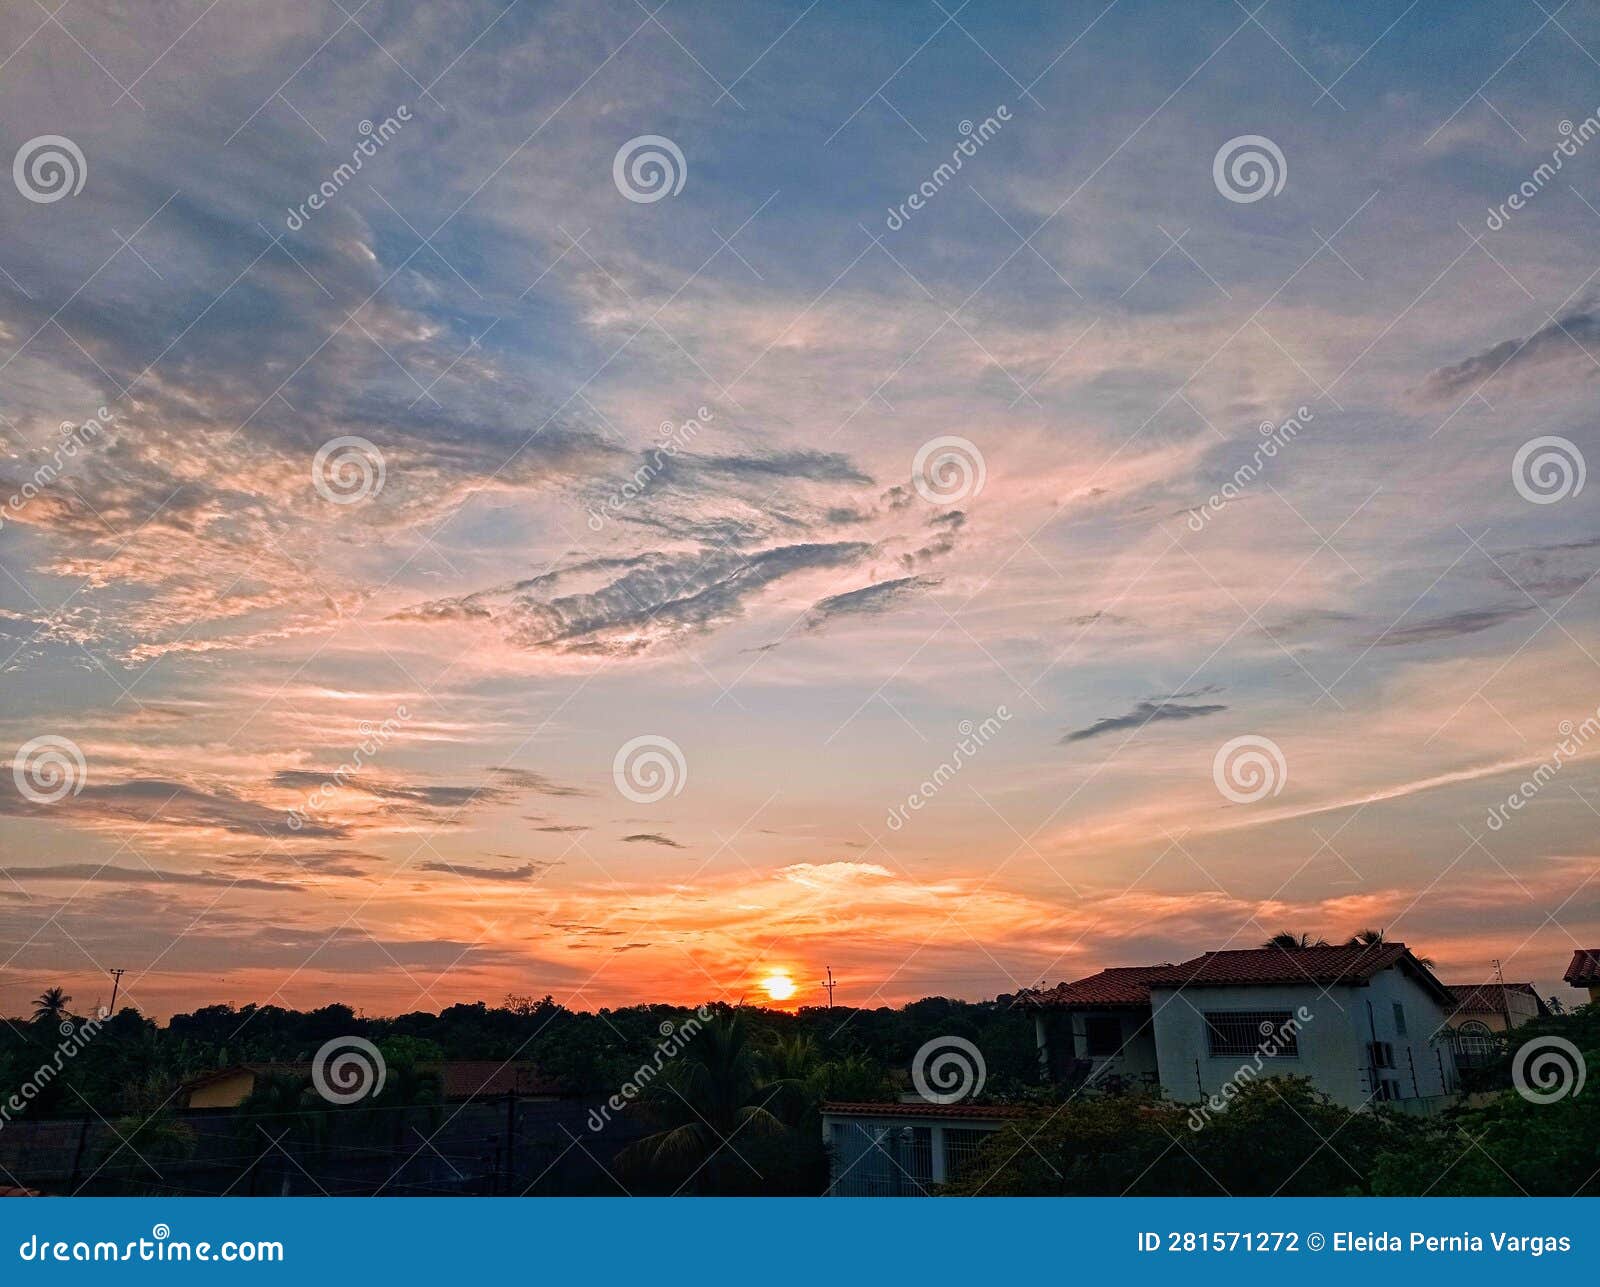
<point x="780" y="987"/>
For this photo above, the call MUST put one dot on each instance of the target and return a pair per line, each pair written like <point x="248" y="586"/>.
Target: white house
<point x="1364" y="1024"/>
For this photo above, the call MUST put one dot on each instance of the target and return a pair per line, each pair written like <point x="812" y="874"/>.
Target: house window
<point x="1399" y="1019"/>
<point x="1474" y="1044"/>
<point x="1103" y="1034"/>
<point x="1246" y="1033"/>
<point x="1381" y="1053"/>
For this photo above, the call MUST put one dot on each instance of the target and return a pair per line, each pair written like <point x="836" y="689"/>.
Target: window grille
<point x="1246" y="1033"/>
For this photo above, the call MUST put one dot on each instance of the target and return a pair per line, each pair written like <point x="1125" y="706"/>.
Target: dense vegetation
<point x="760" y="1076"/>
<point x="132" y="1058"/>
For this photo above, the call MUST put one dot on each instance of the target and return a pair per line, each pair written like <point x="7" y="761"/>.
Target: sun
<point x="780" y="987"/>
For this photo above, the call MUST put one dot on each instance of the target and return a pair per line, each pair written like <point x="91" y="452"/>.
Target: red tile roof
<point x="1121" y="985"/>
<point x="1489" y="998"/>
<point x="1319" y="966"/>
<point x="1584" y="972"/>
<point x="971" y="1112"/>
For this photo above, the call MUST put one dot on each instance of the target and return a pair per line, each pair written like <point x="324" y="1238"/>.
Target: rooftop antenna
<point x="830" y="986"/>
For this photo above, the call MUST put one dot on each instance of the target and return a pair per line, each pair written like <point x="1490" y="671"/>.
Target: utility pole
<point x="830" y="986"/>
<point x="116" y="982"/>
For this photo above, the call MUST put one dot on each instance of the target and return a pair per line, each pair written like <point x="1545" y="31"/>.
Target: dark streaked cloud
<point x="1452" y="625"/>
<point x="159" y="802"/>
<point x="811" y="466"/>
<point x="869" y="600"/>
<point x="108" y="874"/>
<point x="423" y="795"/>
<point x="1149" y="711"/>
<point x="526" y="871"/>
<point x="1566" y="342"/>
<point x="657" y="597"/>
<point x="651" y="838"/>
<point x="947" y="527"/>
<point x="528" y="780"/>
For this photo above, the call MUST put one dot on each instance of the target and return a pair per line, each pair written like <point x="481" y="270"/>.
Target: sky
<point x="622" y="500"/>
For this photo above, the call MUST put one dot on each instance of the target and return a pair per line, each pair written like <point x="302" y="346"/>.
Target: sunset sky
<point x="806" y="605"/>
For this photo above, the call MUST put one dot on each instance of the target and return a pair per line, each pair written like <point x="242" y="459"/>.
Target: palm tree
<point x="51" y="1007"/>
<point x="1376" y="938"/>
<point x="716" y="1101"/>
<point x="1289" y="941"/>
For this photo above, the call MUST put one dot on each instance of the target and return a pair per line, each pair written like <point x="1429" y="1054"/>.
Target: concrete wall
<point x="875" y="1156"/>
<point x="1332" y="1041"/>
